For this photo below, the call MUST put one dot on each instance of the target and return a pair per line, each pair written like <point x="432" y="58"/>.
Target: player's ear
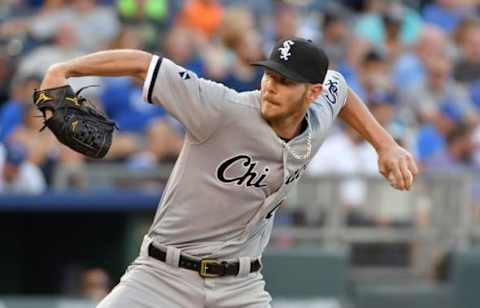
<point x="314" y="91"/>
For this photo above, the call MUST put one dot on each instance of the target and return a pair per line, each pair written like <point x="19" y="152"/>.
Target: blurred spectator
<point x="373" y="75"/>
<point x="149" y="17"/>
<point x="392" y="22"/>
<point x="467" y="68"/>
<point x="95" y="284"/>
<point x="204" y="16"/>
<point x="123" y="101"/>
<point x="64" y="48"/>
<point x="438" y="89"/>
<point x="446" y="14"/>
<point x="18" y="174"/>
<point x="6" y="72"/>
<point x="242" y="76"/>
<point x="220" y="56"/>
<point x="347" y="153"/>
<point x="48" y="18"/>
<point x="409" y="69"/>
<point x="459" y="36"/>
<point x="388" y="24"/>
<point x="163" y="142"/>
<point x="335" y="36"/>
<point x="13" y="111"/>
<point x="181" y="47"/>
<point x="118" y="92"/>
<point x="127" y="37"/>
<point x="94" y="25"/>
<point x="122" y="97"/>
<point x="383" y="105"/>
<point x="457" y="153"/>
<point x="20" y="123"/>
<point x="356" y="52"/>
<point x="20" y="31"/>
<point x="432" y="135"/>
<point x="236" y="20"/>
<point x="25" y="33"/>
<point x="43" y="149"/>
<point x="40" y="145"/>
<point x="285" y="23"/>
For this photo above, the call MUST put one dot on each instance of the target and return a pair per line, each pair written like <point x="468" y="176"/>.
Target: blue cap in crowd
<point x="382" y="97"/>
<point x="452" y="111"/>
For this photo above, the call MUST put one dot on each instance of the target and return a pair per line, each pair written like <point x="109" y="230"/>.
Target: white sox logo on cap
<point x="285" y="50"/>
<point x="297" y="59"/>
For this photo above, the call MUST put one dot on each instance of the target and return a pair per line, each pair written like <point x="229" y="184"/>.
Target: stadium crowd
<point x="416" y="64"/>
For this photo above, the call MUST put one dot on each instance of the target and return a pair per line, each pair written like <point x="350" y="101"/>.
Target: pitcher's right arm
<point x="121" y="62"/>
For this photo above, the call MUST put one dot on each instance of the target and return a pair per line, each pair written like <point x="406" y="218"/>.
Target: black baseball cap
<point x="297" y="59"/>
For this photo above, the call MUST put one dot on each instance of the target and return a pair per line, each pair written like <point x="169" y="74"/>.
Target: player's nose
<point x="268" y="84"/>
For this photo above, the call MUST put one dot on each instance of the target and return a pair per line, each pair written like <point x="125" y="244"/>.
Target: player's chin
<point x="268" y="114"/>
<point x="269" y="111"/>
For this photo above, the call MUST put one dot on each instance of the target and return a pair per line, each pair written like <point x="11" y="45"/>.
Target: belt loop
<point x="144" y="248"/>
<point x="244" y="267"/>
<point x="173" y="256"/>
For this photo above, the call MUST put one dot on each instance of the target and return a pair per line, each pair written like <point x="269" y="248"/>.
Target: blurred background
<point x="70" y="226"/>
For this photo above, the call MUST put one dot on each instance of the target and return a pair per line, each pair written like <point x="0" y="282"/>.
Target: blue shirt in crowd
<point x="123" y="101"/>
<point x="11" y="116"/>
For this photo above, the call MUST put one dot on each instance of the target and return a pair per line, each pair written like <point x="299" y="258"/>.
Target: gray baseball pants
<point x="150" y="283"/>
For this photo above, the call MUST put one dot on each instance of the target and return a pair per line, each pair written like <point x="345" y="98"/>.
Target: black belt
<point x="207" y="268"/>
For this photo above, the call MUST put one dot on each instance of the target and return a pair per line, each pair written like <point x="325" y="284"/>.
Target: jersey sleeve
<point x="335" y="91"/>
<point x="197" y="103"/>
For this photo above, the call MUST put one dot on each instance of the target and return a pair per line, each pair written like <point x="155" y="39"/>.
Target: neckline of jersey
<point x="300" y="136"/>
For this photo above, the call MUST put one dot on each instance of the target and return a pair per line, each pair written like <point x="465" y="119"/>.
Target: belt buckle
<point x="204" y="263"/>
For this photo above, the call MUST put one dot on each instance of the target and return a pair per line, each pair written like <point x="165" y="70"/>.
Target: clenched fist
<point x="398" y="166"/>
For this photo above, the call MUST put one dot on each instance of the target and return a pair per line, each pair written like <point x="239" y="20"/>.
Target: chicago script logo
<point x="332" y="91"/>
<point x="248" y="176"/>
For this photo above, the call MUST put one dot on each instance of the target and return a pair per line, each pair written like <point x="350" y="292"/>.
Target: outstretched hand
<point x="398" y="166"/>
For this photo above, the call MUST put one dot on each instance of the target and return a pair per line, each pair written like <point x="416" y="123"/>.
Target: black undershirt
<point x="304" y="127"/>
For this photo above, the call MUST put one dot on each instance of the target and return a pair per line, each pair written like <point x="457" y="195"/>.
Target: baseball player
<point x="242" y="154"/>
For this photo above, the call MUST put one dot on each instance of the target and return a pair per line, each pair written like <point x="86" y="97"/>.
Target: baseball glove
<point x="75" y="121"/>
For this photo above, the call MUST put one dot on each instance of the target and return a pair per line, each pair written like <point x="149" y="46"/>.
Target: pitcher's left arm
<point x="395" y="163"/>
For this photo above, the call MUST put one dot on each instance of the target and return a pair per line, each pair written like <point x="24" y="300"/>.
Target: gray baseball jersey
<point x="233" y="171"/>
